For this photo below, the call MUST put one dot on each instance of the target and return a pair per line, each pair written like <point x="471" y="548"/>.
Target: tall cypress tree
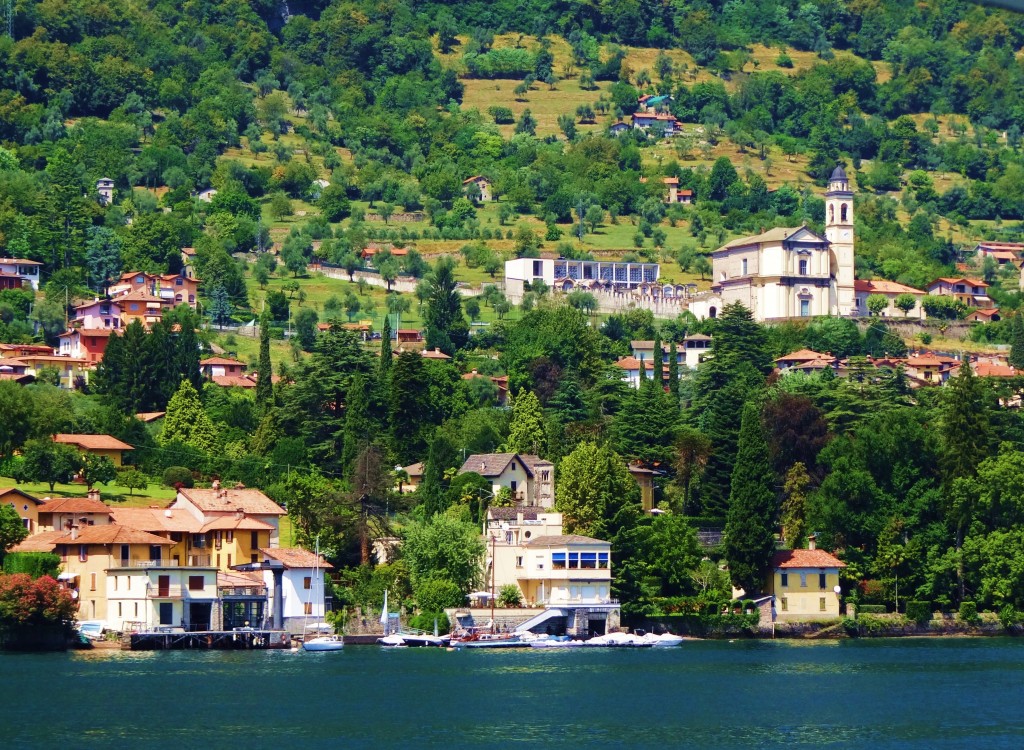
<point x="360" y="427"/>
<point x="386" y="354"/>
<point x="673" y="371"/>
<point x="750" y="521"/>
<point x="264" y="369"/>
<point x="447" y="328"/>
<point x="1016" y="358"/>
<point x="659" y="369"/>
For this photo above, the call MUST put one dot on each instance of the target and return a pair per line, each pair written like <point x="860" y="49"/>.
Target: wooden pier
<point x="238" y="640"/>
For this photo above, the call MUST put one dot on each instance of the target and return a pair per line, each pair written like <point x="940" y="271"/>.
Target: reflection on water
<point x="946" y="693"/>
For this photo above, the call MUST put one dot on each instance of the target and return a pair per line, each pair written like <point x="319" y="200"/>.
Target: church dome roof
<point x="838" y="174"/>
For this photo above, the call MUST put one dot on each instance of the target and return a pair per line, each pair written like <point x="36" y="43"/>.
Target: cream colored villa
<point x="793" y="272"/>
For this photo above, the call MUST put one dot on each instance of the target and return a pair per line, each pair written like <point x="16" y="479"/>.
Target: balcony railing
<point x="199" y="561"/>
<point x="247" y="591"/>
<point x="164" y="592"/>
<point x="153" y="564"/>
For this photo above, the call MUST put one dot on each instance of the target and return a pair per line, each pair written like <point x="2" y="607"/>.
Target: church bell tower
<point x="839" y="233"/>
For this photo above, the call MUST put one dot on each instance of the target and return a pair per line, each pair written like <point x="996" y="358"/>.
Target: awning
<point x="65" y="576"/>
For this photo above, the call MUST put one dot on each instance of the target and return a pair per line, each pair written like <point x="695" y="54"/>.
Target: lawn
<point x="155" y="494"/>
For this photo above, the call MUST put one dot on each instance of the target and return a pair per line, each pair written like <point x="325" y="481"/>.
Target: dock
<point x="210" y="639"/>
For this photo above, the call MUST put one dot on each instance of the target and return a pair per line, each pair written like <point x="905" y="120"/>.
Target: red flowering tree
<point x="34" y="613"/>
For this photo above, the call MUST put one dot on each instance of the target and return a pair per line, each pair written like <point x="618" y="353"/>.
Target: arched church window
<point x="842" y="213"/>
<point x="831" y="213"/>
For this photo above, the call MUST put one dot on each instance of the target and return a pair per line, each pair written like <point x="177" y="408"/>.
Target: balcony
<point x="242" y="592"/>
<point x="155" y="591"/>
<point x="151" y="564"/>
<point x="199" y="561"/>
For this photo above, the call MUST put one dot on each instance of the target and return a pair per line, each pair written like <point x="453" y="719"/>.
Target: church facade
<point x="794" y="272"/>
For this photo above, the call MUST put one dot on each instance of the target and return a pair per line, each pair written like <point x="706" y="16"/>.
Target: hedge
<point x="919" y="612"/>
<point x="969" y="612"/>
<point x="872" y="609"/>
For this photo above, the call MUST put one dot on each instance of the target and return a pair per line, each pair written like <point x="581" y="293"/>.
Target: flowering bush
<point x="24" y="601"/>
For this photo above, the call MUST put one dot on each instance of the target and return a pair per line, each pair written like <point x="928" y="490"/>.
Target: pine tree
<point x="673" y="371"/>
<point x="220" y="305"/>
<point x="360" y="428"/>
<point x="441" y="458"/>
<point x="447" y="328"/>
<point x="407" y="403"/>
<point x="187" y="422"/>
<point x="186" y="347"/>
<point x="750" y="521"/>
<point x="527" y="433"/>
<point x="659" y="358"/>
<point x="1016" y="358"/>
<point x="264" y="369"/>
<point x="645" y="427"/>
<point x="568" y="403"/>
<point x="965" y="425"/>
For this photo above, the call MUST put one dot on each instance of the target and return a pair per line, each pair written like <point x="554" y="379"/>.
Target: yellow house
<point x="87" y="555"/>
<point x="96" y="445"/>
<point x="526" y="548"/>
<point x="805" y="583"/>
<point x="239" y="502"/>
<point x="24" y="504"/>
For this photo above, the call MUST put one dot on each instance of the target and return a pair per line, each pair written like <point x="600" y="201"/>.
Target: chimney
<point x="239" y="514"/>
<point x="215" y="484"/>
<point x="812" y="541"/>
<point x="74" y="532"/>
<point x="94" y="494"/>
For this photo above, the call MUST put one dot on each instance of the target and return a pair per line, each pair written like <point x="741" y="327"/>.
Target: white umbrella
<point x="479" y="595"/>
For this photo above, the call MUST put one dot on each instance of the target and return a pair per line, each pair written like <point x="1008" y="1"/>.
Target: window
<point x="166" y="613"/>
<point x="254" y="539"/>
<point x="119" y="613"/>
<point x="83" y="553"/>
<point x="229" y="561"/>
<point x="136" y="609"/>
<point x="218" y="559"/>
<point x="254" y="557"/>
<point x="307" y="582"/>
<point x="229" y="536"/>
<point x="831" y="213"/>
<point x="803" y="267"/>
<point x="199" y="541"/>
<point x="115" y="583"/>
<point x="805" y="308"/>
<point x="842" y="213"/>
<point x="803" y="580"/>
<point x="784" y="580"/>
<point x="558" y="561"/>
<point x="512" y="486"/>
<point x="92" y="582"/>
<point x="602" y="560"/>
<point x="519" y="561"/>
<point x="821" y="580"/>
<point x="821" y="604"/>
<point x="196" y="583"/>
<point x="588" y="560"/>
<point x="785" y="604"/>
<point x="574" y="560"/>
<point x="744" y="272"/>
<point x="308" y="608"/>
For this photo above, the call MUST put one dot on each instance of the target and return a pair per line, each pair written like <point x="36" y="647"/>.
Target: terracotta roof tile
<point x="156" y="519"/>
<point x="74" y="505"/>
<point x="806" y="558"/>
<point x="93" y="442"/>
<point x="232" y="500"/>
<point x="230" y="523"/>
<point x="9" y="493"/>
<point x="296" y="557"/>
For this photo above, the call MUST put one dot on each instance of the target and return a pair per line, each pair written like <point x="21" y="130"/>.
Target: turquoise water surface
<point x="901" y="693"/>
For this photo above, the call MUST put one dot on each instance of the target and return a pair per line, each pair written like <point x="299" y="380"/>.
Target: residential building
<point x="618" y="128"/>
<point x="864" y="288"/>
<point x="302" y="586"/>
<point x="216" y="367"/>
<point x="630" y="367"/>
<point x="527" y="549"/>
<point x="807" y="361"/>
<point x="1002" y="252"/>
<point x="567" y="275"/>
<point x="150" y="594"/>
<point x="100" y="313"/>
<point x="105" y="190"/>
<point x="97" y="445"/>
<point x="964" y="289"/>
<point x="208" y="505"/>
<point x="793" y="272"/>
<point x="482" y="183"/>
<point x="171" y="289"/>
<point x="673" y="194"/>
<point x="984" y="315"/>
<point x="16" y="351"/>
<point x="65" y="513"/>
<point x="24" y="504"/>
<point x="531" y="479"/>
<point x="86" y="344"/>
<point x="690" y="352"/>
<point x="71" y="370"/>
<point x="88" y="556"/>
<point x="930" y="369"/>
<point x="18" y="272"/>
<point x="412" y="479"/>
<point x="804" y="583"/>
<point x="662" y="122"/>
<point x="141" y="305"/>
<point x="644" y="477"/>
<point x="498" y="381"/>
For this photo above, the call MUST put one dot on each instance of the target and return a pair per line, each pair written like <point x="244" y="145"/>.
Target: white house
<point x="482" y="183"/>
<point x="864" y="288"/>
<point x="18" y="272"/>
<point x="105" y="189"/>
<point x="303" y="586"/>
<point x="530" y="478"/>
<point x="566" y="275"/>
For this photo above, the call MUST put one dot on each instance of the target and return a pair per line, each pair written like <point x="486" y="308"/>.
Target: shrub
<point x="435" y="595"/>
<point x="510" y="596"/>
<point x="969" y="612"/>
<point x="784" y="61"/>
<point x="501" y="115"/>
<point x="872" y="609"/>
<point x="1009" y="617"/>
<point x="425" y="622"/>
<point x="174" y="475"/>
<point x="36" y="564"/>
<point x="919" y="612"/>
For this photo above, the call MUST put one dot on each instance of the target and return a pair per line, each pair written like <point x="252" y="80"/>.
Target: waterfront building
<point x="804" y="583"/>
<point x="302" y="596"/>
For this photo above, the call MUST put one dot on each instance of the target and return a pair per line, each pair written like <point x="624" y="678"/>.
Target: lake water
<point x="901" y="693"/>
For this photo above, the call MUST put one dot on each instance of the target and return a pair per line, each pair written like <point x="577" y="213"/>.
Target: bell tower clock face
<point x="846" y="234"/>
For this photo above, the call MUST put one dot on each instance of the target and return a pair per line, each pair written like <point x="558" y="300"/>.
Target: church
<point x="793" y="272"/>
